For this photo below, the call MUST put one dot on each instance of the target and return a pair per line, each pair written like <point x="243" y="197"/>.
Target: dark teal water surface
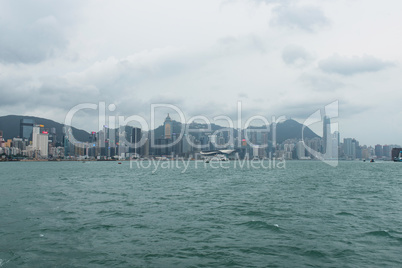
<point x="101" y="214"/>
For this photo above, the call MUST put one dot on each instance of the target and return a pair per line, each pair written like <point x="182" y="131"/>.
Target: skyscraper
<point x="43" y="144"/>
<point x="168" y="127"/>
<point x="347" y="147"/>
<point x="26" y="127"/>
<point x="326" y="133"/>
<point x="386" y="151"/>
<point x="378" y="151"/>
<point x="40" y="141"/>
<point x="300" y="150"/>
<point x="35" y="132"/>
<point x="136" y="138"/>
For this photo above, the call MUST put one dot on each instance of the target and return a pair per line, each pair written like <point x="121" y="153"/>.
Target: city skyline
<point x="325" y="124"/>
<point x="174" y="139"/>
<point x="277" y="57"/>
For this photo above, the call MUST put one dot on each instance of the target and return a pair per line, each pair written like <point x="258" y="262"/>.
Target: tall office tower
<point x="43" y="144"/>
<point x="356" y="150"/>
<point x="136" y="138"/>
<point x="26" y="127"/>
<point x="326" y="133"/>
<point x="35" y="132"/>
<point x="335" y="145"/>
<point x="1" y="139"/>
<point x="168" y="127"/>
<point x="386" y="151"/>
<point x="378" y="150"/>
<point x="40" y="141"/>
<point x="300" y="150"/>
<point x="66" y="144"/>
<point x="52" y="136"/>
<point x="347" y="147"/>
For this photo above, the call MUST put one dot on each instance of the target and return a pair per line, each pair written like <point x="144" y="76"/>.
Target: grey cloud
<point x="33" y="31"/>
<point x="307" y="18"/>
<point x="153" y="66"/>
<point x="32" y="43"/>
<point x="14" y="88"/>
<point x="304" y="110"/>
<point x="348" y="109"/>
<point x="50" y="92"/>
<point x="353" y="65"/>
<point x="126" y="75"/>
<point x="300" y="109"/>
<point x="296" y="55"/>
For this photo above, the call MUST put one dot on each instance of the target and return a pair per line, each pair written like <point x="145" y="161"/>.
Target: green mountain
<point x="291" y="129"/>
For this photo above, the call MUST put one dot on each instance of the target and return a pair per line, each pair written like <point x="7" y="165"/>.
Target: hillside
<point x="291" y="129"/>
<point x="10" y="125"/>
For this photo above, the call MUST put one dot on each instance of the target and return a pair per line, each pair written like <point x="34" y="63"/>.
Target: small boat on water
<point x="372" y="161"/>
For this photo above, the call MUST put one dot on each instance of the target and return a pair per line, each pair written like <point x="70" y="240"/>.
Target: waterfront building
<point x="300" y="150"/>
<point x="8" y="143"/>
<point x="350" y="148"/>
<point x="26" y="128"/>
<point x="378" y="151"/>
<point x="2" y="143"/>
<point x="40" y="142"/>
<point x="365" y="152"/>
<point x="19" y="143"/>
<point x="35" y="132"/>
<point x="386" y="151"/>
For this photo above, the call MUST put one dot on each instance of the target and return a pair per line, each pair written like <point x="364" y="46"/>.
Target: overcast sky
<point x="279" y="58"/>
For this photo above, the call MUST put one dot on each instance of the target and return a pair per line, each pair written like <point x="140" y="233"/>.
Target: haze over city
<point x="279" y="58"/>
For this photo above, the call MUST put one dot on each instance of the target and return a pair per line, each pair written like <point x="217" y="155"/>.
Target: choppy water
<point x="73" y="214"/>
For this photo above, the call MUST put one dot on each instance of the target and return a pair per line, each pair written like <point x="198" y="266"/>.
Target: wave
<point x="344" y="253"/>
<point x="258" y="225"/>
<point x="343" y="213"/>
<point x="383" y="233"/>
<point x="314" y="254"/>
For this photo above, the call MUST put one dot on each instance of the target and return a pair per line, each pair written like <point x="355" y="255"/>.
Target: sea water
<point x="306" y="213"/>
